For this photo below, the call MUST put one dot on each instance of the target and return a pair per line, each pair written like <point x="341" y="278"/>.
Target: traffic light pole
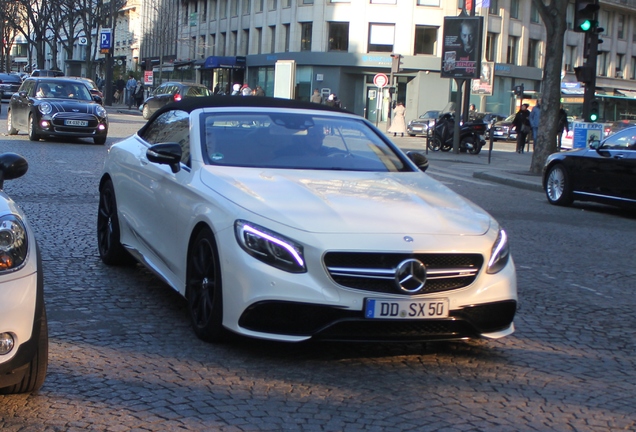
<point x="591" y="39"/>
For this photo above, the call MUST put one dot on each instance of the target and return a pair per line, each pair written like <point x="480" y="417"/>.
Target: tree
<point x="553" y="14"/>
<point x="32" y="21"/>
<point x="8" y="32"/>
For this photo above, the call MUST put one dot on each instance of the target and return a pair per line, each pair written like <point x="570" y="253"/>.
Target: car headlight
<point x="13" y="243"/>
<point x="100" y="111"/>
<point x="45" y="108"/>
<point x="270" y="247"/>
<point x="500" y="253"/>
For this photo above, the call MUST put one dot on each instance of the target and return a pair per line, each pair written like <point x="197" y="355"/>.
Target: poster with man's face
<point x="461" y="47"/>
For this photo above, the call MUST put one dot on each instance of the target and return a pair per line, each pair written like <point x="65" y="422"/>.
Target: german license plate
<point x="406" y="309"/>
<point x="76" y="122"/>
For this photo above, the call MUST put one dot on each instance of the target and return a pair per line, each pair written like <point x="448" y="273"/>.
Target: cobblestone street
<point x="124" y="358"/>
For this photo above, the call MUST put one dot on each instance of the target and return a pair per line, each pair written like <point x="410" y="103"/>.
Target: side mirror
<point x="98" y="99"/>
<point x="418" y="159"/>
<point x="165" y="154"/>
<point x="12" y="166"/>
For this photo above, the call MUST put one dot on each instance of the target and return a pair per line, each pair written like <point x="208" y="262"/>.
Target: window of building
<point x="511" y="54"/>
<point x="620" y="23"/>
<point x="371" y="1"/>
<point x="247" y="5"/>
<point x="212" y="10"/>
<point x="234" y="8"/>
<point x="221" y="47"/>
<point x="425" y="40"/>
<point x="259" y="40"/>
<point x="193" y="48"/>
<point x="619" y="65"/>
<point x="305" y="36"/>
<point x="601" y="67"/>
<point x="286" y="4"/>
<point x="569" y="16"/>
<point x="428" y="3"/>
<point x="514" y="9"/>
<point x="308" y="2"/>
<point x="211" y="45"/>
<point x="491" y="47"/>
<point x="534" y="14"/>
<point x="272" y="39"/>
<point x="381" y="37"/>
<point x="234" y="43"/>
<point x="605" y="22"/>
<point x="570" y="57"/>
<point x="494" y="7"/>
<point x="204" y="12"/>
<point x="534" y="52"/>
<point x="245" y="40"/>
<point x="633" y="68"/>
<point x="201" y="48"/>
<point x="338" y="36"/>
<point x="286" y="35"/>
<point x="222" y="9"/>
<point x="273" y="4"/>
<point x="258" y="5"/>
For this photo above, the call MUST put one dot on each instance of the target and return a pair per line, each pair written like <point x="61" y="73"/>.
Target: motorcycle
<point x="471" y="135"/>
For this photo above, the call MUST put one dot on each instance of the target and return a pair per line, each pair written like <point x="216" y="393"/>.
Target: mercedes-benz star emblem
<point x="410" y="275"/>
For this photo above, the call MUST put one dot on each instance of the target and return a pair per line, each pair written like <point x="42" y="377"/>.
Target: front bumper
<point x="55" y="126"/>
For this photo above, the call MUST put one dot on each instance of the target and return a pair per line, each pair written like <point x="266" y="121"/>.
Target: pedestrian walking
<point x="130" y="90"/>
<point x="521" y="123"/>
<point x="398" y="125"/>
<point x="120" y="85"/>
<point x="563" y="125"/>
<point x="259" y="91"/>
<point x="316" y="97"/>
<point x="535" y="115"/>
<point x="138" y="94"/>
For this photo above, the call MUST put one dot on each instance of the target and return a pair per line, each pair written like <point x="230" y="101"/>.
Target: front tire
<point x="557" y="186"/>
<point x="203" y="288"/>
<point x="10" y="129"/>
<point x="434" y="144"/>
<point x="111" y="250"/>
<point x="100" y="139"/>
<point x="33" y="135"/>
<point x="474" y="148"/>
<point x="36" y="370"/>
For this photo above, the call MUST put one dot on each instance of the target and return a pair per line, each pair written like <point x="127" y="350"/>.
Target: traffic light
<point x="396" y="64"/>
<point x="594" y="111"/>
<point x="585" y="15"/>
<point x="584" y="74"/>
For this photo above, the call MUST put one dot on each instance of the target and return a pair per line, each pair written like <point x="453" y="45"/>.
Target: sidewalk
<point x="501" y="165"/>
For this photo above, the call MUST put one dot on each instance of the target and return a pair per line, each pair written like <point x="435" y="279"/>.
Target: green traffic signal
<point x="586" y="25"/>
<point x="593" y="117"/>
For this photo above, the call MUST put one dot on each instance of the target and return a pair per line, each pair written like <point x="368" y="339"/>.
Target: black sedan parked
<point x="171" y="92"/>
<point x="605" y="172"/>
<point x="503" y="129"/>
<point x="48" y="107"/>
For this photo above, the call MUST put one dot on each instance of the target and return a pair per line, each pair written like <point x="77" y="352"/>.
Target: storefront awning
<point x="229" y="62"/>
<point x="628" y="93"/>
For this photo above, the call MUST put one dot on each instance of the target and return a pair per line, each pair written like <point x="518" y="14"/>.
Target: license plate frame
<point x="81" y="123"/>
<point x="406" y="309"/>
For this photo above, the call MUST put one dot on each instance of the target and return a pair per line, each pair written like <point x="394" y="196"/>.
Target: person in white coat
<point x="398" y="126"/>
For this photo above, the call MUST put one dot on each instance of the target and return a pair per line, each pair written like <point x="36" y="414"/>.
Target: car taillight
<point x="177" y="97"/>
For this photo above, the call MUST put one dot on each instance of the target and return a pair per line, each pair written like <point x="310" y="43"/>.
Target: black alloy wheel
<point x="111" y="250"/>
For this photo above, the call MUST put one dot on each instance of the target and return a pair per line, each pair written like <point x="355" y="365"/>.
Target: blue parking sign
<point x="105" y="39"/>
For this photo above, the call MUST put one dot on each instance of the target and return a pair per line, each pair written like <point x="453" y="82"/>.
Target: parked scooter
<point x="471" y="135"/>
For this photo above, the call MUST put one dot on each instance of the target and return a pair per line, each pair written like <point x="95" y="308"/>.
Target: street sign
<point x="105" y="39"/>
<point x="380" y="80"/>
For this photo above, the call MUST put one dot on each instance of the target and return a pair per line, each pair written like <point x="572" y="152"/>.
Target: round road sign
<point x="380" y="80"/>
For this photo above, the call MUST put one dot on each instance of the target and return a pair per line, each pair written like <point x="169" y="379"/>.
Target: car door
<point x="160" y="192"/>
<point x="158" y="97"/>
<point x="21" y="104"/>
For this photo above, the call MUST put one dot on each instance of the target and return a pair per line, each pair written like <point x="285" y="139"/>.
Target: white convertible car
<point x="24" y="342"/>
<point x="291" y="221"/>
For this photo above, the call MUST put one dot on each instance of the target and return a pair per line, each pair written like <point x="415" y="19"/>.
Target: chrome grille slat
<point x="370" y="272"/>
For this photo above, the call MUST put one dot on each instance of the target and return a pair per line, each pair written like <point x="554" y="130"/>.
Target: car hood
<point x="349" y="202"/>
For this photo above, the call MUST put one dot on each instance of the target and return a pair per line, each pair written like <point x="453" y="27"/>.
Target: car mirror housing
<point x="12" y="166"/>
<point x="419" y="160"/>
<point x="165" y="154"/>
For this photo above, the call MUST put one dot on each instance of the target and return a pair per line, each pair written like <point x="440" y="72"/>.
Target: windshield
<point x="510" y="118"/>
<point x="62" y="90"/>
<point x="295" y="141"/>
<point x="623" y="140"/>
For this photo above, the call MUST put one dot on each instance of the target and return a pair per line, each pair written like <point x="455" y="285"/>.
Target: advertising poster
<point x="483" y="85"/>
<point x="461" y="48"/>
<point x="586" y="133"/>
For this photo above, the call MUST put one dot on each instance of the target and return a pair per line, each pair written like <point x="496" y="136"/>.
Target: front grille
<point x="59" y="118"/>
<point x="375" y="272"/>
